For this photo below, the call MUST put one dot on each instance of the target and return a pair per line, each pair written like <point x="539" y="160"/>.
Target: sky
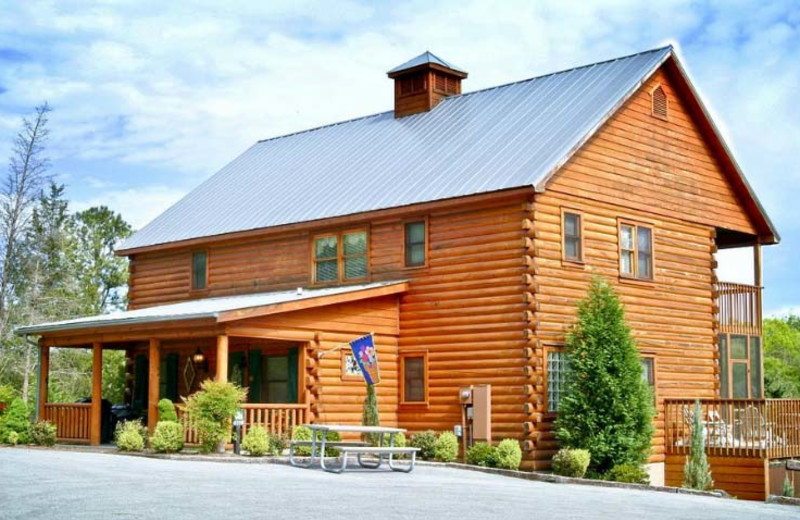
<point x="151" y="98"/>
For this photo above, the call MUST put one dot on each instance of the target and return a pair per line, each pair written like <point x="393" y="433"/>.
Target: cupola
<point x="421" y="83"/>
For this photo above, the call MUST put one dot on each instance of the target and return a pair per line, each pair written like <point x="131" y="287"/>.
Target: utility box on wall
<point x="476" y="414"/>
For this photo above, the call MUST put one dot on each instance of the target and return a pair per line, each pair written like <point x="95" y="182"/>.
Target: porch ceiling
<point x="218" y="310"/>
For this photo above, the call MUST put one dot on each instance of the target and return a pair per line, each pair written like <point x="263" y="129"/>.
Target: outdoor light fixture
<point x="198" y="358"/>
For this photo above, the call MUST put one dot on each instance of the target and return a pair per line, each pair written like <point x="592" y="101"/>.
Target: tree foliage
<point x="696" y="471"/>
<point x="606" y="407"/>
<point x="370" y="416"/>
<point x="782" y="357"/>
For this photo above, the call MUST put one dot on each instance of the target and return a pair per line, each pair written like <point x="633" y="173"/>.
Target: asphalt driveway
<point x="62" y="484"/>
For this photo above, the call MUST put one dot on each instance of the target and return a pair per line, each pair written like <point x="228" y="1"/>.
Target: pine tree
<point x="371" y="416"/>
<point x="696" y="472"/>
<point x="606" y="407"/>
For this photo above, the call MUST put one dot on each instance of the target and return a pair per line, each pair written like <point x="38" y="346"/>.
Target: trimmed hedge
<point x="481" y="454"/>
<point x="166" y="411"/>
<point x="303" y="433"/>
<point x="130" y="436"/>
<point x="446" y="447"/>
<point x="508" y="454"/>
<point x="257" y="441"/>
<point x="43" y="433"/>
<point x="571" y="463"/>
<point x="167" y="437"/>
<point x="426" y="442"/>
<point x="629" y="472"/>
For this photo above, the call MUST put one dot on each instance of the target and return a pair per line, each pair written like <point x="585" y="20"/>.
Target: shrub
<point x="166" y="411"/>
<point x="277" y="443"/>
<point x="12" y="438"/>
<point x="628" y="472"/>
<point x="130" y="436"/>
<point x="481" y="454"/>
<point x="43" y="433"/>
<point x="213" y="407"/>
<point x="16" y="419"/>
<point x="788" y="488"/>
<point x="303" y="433"/>
<point x="606" y="407"/>
<point x="426" y="442"/>
<point x="167" y="437"/>
<point x="6" y="396"/>
<point x="571" y="463"/>
<point x="508" y="454"/>
<point x="371" y="417"/>
<point x="399" y="442"/>
<point x="696" y="471"/>
<point x="446" y="447"/>
<point x="257" y="441"/>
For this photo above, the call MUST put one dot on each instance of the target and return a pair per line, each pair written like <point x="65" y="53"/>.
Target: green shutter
<point x="254" y="395"/>
<point x="141" y="382"/>
<point x="172" y="378"/>
<point x="291" y="391"/>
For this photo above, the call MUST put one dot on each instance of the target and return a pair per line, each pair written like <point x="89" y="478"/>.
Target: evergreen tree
<point x="371" y="416"/>
<point x="696" y="471"/>
<point x="606" y="407"/>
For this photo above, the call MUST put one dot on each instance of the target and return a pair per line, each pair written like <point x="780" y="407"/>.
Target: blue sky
<point x="151" y="98"/>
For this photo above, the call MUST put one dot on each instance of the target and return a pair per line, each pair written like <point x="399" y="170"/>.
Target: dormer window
<point x="660" y="104"/>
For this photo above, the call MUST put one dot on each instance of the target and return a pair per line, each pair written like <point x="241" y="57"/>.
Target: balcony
<point x="738" y="308"/>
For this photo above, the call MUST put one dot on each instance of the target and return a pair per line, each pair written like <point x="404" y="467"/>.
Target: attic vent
<point x="445" y="84"/>
<point x="412" y="85"/>
<point x="659" y="102"/>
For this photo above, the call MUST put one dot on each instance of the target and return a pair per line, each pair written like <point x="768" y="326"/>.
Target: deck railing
<point x="757" y="428"/>
<point x="71" y="421"/>
<point x="276" y="418"/>
<point x="739" y="308"/>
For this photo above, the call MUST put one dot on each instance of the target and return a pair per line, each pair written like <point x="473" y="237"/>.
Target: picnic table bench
<point x="319" y="443"/>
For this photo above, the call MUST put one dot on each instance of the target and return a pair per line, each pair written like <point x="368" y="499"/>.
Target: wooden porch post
<point x="97" y="394"/>
<point x="222" y="358"/>
<point x="44" y="378"/>
<point x="154" y="363"/>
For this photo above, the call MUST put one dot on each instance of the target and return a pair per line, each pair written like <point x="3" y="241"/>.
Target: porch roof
<point x="225" y="309"/>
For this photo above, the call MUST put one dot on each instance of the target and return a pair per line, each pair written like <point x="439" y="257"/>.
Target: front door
<point x="740" y="366"/>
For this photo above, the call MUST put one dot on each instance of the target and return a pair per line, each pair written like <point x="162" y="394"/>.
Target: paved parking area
<point x="63" y="484"/>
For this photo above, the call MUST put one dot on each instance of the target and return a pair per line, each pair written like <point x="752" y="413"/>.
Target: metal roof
<point x="197" y="309"/>
<point x="504" y="137"/>
<point x="425" y="57"/>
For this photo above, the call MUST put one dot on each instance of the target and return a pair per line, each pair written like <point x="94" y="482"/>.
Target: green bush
<point x="303" y="433"/>
<point x="166" y="411"/>
<point x="481" y="454"/>
<point x="130" y="436"/>
<point x="399" y="442"/>
<point x="426" y="442"/>
<point x="6" y="396"/>
<point x="788" y="488"/>
<point x="257" y="441"/>
<point x="605" y="407"/>
<point x="370" y="416"/>
<point x="277" y="443"/>
<point x="213" y="408"/>
<point x="12" y="438"/>
<point x="43" y="433"/>
<point x="508" y="454"/>
<point x="571" y="463"/>
<point x="628" y="472"/>
<point x="446" y="447"/>
<point x="167" y="437"/>
<point x="696" y="471"/>
<point x="16" y="419"/>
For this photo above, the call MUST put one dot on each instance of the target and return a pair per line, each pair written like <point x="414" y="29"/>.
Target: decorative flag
<point x="367" y="358"/>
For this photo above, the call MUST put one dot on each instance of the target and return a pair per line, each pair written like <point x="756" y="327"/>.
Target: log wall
<point x="744" y="478"/>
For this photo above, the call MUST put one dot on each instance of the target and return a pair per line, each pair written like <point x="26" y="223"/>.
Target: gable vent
<point x="659" y="98"/>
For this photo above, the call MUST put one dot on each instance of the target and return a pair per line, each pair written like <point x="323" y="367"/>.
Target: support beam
<point x="222" y="358"/>
<point x="97" y="395"/>
<point x="154" y="362"/>
<point x="757" y="274"/>
<point x="44" y="378"/>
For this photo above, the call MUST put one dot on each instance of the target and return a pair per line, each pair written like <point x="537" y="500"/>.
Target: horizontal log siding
<point x="333" y="400"/>
<point x="659" y="174"/>
<point x="744" y="478"/>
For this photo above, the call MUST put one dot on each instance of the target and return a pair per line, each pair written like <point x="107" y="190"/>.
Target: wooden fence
<point x="71" y="421"/>
<point x="757" y="428"/>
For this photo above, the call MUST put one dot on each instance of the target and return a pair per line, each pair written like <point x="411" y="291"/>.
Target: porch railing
<point x="276" y="418"/>
<point x="71" y="420"/>
<point x="757" y="428"/>
<point x="738" y="308"/>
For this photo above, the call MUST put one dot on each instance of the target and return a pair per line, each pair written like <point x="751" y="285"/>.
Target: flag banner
<point x="367" y="358"/>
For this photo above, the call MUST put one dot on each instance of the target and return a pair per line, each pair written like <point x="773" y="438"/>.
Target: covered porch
<point x="268" y="343"/>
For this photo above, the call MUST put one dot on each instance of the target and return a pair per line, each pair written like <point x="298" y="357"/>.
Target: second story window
<point x="340" y="256"/>
<point x="415" y="244"/>
<point x="199" y="270"/>
<point x="636" y="251"/>
<point x="573" y="246"/>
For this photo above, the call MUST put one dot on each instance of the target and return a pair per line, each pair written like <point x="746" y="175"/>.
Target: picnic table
<point x="319" y="442"/>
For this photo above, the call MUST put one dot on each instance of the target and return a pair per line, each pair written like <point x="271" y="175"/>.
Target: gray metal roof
<point x="196" y="309"/>
<point x="504" y="137"/>
<point x="425" y="57"/>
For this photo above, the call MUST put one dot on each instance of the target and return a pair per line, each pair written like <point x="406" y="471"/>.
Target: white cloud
<point x="137" y="206"/>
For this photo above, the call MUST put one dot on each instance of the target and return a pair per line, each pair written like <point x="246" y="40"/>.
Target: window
<point x="660" y="104"/>
<point x="414" y="367"/>
<point x="636" y="251"/>
<point x="415" y="243"/>
<point x="199" y="270"/>
<point x="573" y="235"/>
<point x="740" y="367"/>
<point x="340" y="257"/>
<point x="557" y="371"/>
<point x="649" y="374"/>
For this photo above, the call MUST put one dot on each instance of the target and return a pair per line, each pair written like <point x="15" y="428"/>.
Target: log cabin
<point x="460" y="229"/>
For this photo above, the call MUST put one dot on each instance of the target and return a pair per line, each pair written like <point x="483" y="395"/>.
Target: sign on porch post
<point x="367" y="358"/>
